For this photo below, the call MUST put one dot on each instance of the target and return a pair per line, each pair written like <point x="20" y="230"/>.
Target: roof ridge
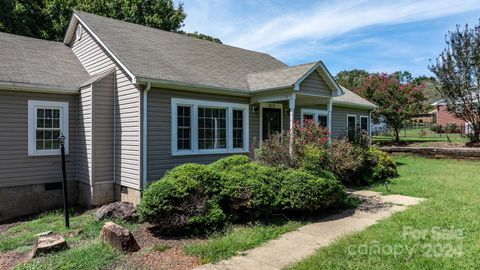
<point x="282" y="68"/>
<point x="79" y="12"/>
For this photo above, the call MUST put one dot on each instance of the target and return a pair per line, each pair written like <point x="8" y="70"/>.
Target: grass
<point x="94" y="255"/>
<point x="85" y="251"/>
<point x="83" y="226"/>
<point x="224" y="245"/>
<point x="160" y="247"/>
<point x="413" y="136"/>
<point x="453" y="205"/>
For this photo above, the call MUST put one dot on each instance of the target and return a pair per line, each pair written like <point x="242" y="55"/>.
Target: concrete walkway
<point x="294" y="246"/>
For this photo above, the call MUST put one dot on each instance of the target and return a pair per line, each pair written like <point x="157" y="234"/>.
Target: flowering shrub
<point x="275" y="151"/>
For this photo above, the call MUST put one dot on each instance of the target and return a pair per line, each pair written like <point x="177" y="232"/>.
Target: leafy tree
<point x="200" y="36"/>
<point x="403" y="76"/>
<point x="351" y="79"/>
<point x="458" y="70"/>
<point x="431" y="88"/>
<point x="48" y="19"/>
<point x="397" y="102"/>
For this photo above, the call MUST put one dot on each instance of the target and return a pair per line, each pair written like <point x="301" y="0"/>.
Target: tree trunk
<point x="397" y="135"/>
<point x="476" y="134"/>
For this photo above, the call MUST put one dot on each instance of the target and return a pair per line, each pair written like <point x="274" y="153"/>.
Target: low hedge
<point x="186" y="198"/>
<point x="198" y="198"/>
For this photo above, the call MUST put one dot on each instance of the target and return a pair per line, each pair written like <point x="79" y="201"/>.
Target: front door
<point x="351" y="127"/>
<point x="271" y="122"/>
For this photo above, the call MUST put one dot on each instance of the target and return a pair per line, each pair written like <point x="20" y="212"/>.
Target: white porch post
<point x="329" y="118"/>
<point x="292" y="114"/>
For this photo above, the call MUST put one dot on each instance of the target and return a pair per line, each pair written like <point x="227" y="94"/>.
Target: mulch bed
<point x="9" y="259"/>
<point x="173" y="258"/>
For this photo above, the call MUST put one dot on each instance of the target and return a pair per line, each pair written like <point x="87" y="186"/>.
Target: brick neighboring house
<point x="443" y="117"/>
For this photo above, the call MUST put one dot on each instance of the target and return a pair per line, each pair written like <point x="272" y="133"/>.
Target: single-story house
<point x="134" y="101"/>
<point x="443" y="117"/>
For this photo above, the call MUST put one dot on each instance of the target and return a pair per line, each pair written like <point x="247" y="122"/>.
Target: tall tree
<point x="397" y="102"/>
<point x="458" y="70"/>
<point x="351" y="79"/>
<point x="48" y="19"/>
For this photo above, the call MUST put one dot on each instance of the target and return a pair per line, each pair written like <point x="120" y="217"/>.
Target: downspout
<point x="144" y="134"/>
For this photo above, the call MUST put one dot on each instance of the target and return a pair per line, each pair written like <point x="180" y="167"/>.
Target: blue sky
<point x="379" y="36"/>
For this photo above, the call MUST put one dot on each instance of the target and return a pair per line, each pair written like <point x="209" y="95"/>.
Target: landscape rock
<point x="118" y="210"/>
<point x="47" y="244"/>
<point x="44" y="233"/>
<point x="119" y="237"/>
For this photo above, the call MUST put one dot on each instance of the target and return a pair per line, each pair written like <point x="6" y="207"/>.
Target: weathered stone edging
<point x="436" y="152"/>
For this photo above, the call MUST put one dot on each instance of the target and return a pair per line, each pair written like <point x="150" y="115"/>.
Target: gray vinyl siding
<point x="16" y="167"/>
<point x="84" y="157"/>
<point x="159" y="133"/>
<point x="103" y="129"/>
<point x="127" y="109"/>
<point x="314" y="84"/>
<point x="339" y="119"/>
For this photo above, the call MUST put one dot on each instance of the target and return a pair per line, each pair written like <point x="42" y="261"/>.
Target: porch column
<point x="292" y="120"/>
<point x="329" y="118"/>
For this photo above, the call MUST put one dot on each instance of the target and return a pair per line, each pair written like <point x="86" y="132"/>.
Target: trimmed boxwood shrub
<point x="249" y="190"/>
<point x="378" y="166"/>
<point x="199" y="198"/>
<point x="186" y="198"/>
<point x="303" y="192"/>
<point x="228" y="163"/>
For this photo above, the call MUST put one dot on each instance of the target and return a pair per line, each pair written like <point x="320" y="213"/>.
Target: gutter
<point x="26" y="87"/>
<point x="144" y="135"/>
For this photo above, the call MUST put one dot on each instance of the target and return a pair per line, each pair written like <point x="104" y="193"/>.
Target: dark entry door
<point x="351" y="127"/>
<point x="271" y="122"/>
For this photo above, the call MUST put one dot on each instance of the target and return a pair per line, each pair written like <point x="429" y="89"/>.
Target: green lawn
<point x="86" y="251"/>
<point x="221" y="246"/>
<point x="415" y="136"/>
<point x="452" y="208"/>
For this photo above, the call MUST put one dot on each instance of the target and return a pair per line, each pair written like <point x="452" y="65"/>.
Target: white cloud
<point x="330" y="19"/>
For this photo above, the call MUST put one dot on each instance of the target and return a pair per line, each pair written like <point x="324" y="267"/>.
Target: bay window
<point x="207" y="127"/>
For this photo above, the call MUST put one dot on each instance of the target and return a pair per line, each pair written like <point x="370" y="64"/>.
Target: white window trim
<point x="315" y="114"/>
<point x="32" y="124"/>
<point x="194" y="104"/>
<point x="355" y="129"/>
<point x="368" y="122"/>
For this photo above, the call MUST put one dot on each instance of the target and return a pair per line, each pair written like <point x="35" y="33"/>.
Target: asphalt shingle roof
<point x="34" y="61"/>
<point x="351" y="98"/>
<point x="157" y="54"/>
<point x="277" y="78"/>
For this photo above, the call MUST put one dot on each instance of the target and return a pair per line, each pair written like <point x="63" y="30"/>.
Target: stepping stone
<point x="47" y="244"/>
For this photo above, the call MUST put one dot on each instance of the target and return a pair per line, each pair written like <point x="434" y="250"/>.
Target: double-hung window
<point x="320" y="117"/>
<point x="47" y="121"/>
<point x="207" y="127"/>
<point x="364" y="123"/>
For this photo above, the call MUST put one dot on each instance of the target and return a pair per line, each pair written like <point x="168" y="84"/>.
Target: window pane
<point x="39" y="145"/>
<point x="307" y="118"/>
<point x="364" y="123"/>
<point x="237" y="129"/>
<point x="183" y="127"/>
<point x="212" y="128"/>
<point x="322" y="120"/>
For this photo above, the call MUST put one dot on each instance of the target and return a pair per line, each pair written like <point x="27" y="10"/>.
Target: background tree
<point x="351" y="79"/>
<point x="397" y="102"/>
<point x="430" y="91"/>
<point x="48" y="19"/>
<point x="458" y="70"/>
